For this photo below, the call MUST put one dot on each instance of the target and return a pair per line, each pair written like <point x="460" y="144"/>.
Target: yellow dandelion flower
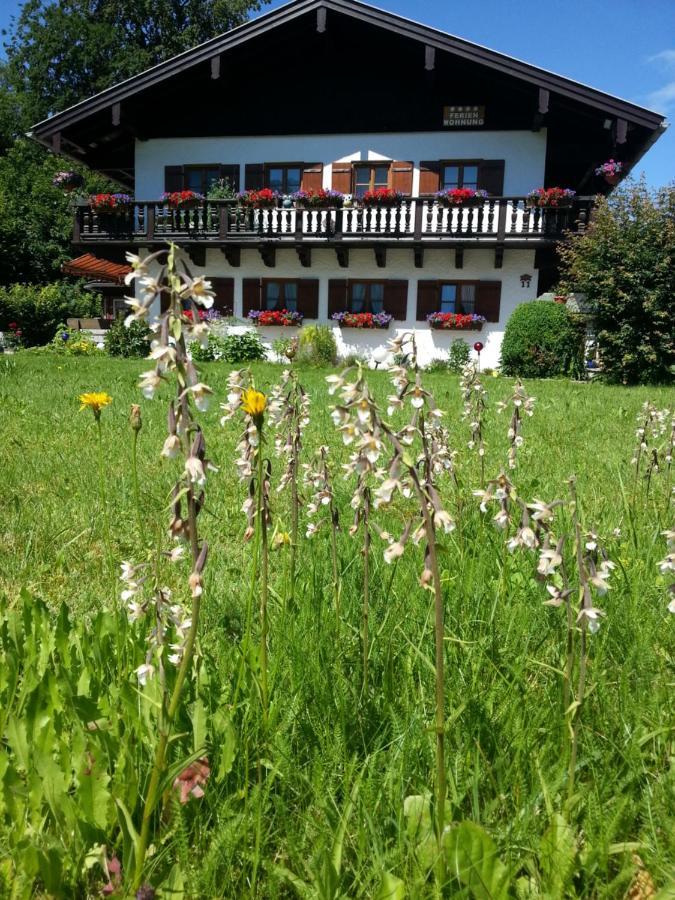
<point x="95" y="401"/>
<point x="254" y="403"/>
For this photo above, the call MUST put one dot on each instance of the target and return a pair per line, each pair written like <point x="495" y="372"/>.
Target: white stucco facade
<point x="524" y="153"/>
<point x="438" y="264"/>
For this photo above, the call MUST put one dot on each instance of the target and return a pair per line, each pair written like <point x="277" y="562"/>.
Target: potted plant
<point x="362" y="320"/>
<point x="182" y="199"/>
<point x="323" y="199"/>
<point x="461" y="197"/>
<point x="263" y="199"/>
<point x="68" y="181"/>
<point x="283" y="317"/>
<point x="610" y="171"/>
<point x="554" y="197"/>
<point x="113" y="205"/>
<point x="382" y="197"/>
<point x="455" y="321"/>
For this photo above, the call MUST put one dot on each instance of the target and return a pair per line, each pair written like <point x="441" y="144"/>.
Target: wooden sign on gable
<point x="463" y="116"/>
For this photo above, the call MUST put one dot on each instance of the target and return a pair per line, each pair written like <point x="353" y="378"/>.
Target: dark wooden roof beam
<point x="116" y="112"/>
<point x="429" y="58"/>
<point x="215" y="68"/>
<point x="321" y="20"/>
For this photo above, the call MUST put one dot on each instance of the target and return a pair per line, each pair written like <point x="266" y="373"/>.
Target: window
<point x="284" y="179"/>
<point x="280" y="295"/>
<point x="200" y="178"/>
<point x="459" y="175"/>
<point x="366" y="297"/>
<point x="457" y="298"/>
<point x="370" y="178"/>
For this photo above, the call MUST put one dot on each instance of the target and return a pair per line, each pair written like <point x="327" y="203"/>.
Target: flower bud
<point x="135" y="417"/>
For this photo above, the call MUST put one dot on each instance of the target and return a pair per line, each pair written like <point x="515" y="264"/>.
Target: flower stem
<point x="295" y="504"/>
<point x="134" y="479"/>
<point x="102" y="493"/>
<point x="264" y="579"/>
<point x="366" y="586"/>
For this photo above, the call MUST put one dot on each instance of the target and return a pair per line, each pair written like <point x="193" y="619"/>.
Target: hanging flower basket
<point x="283" y="317"/>
<point x="263" y="199"/>
<point x="610" y="171"/>
<point x="550" y="198"/>
<point x="382" y="197"/>
<point x="455" y="321"/>
<point x="461" y="197"/>
<point x="182" y="199"/>
<point x="362" y="320"/>
<point x="322" y="199"/>
<point x="68" y="181"/>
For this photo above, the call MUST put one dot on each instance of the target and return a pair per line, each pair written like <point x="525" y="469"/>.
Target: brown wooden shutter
<point x="396" y="299"/>
<point x="488" y="296"/>
<point x="252" y="295"/>
<point x="401" y="177"/>
<point x="224" y="291"/>
<point x="254" y="176"/>
<point x="337" y="295"/>
<point x="491" y="176"/>
<point x="312" y="177"/>
<point x="430" y="177"/>
<point x="173" y="178"/>
<point x="230" y="173"/>
<point x="428" y="299"/>
<point x="342" y="177"/>
<point x="308" y="297"/>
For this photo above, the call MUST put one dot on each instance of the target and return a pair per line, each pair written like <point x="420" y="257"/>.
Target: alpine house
<point x="361" y="163"/>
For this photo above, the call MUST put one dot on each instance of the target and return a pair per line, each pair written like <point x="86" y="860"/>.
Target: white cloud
<point x="663" y="98"/>
<point x="667" y="57"/>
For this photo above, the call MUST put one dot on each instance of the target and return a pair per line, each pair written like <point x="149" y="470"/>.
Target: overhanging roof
<point x="90" y="266"/>
<point x="426" y="35"/>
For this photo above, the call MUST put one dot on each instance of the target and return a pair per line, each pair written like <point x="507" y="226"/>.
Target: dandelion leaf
<point x="471" y="856"/>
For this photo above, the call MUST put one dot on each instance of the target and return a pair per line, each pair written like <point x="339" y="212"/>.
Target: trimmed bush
<point x="459" y="355"/>
<point x="232" y="348"/>
<point x="542" y="340"/>
<point x="317" y="346"/>
<point x="133" y="341"/>
<point x="39" y="309"/>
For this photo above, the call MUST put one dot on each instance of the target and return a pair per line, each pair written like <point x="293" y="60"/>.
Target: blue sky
<point x="624" y="47"/>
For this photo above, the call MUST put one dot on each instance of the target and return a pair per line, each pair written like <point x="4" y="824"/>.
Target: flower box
<point x="263" y="199"/>
<point x="382" y="197"/>
<point x="322" y="199"/>
<point x="550" y="198"/>
<point x="461" y="197"/>
<point x="362" y="320"/>
<point x="182" y="199"/>
<point x="283" y="317"/>
<point x="455" y="321"/>
<point x="110" y="204"/>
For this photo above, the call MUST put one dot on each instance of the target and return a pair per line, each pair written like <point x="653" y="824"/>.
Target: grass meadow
<point x="313" y="805"/>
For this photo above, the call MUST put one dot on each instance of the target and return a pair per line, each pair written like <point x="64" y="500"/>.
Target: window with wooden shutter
<point x="459" y="174"/>
<point x="491" y="176"/>
<point x="285" y="178"/>
<point x="223" y="288"/>
<point x="401" y="177"/>
<point x="251" y="291"/>
<point x="342" y="178"/>
<point x="308" y="297"/>
<point x="371" y="177"/>
<point x="230" y="174"/>
<point x="254" y="177"/>
<point x="312" y="177"/>
<point x="396" y="299"/>
<point x="427" y="298"/>
<point x="488" y="297"/>
<point x="430" y="177"/>
<point x="173" y="178"/>
<point x="337" y="295"/>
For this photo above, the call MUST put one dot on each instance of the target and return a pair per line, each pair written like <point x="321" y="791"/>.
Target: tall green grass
<point x="327" y="820"/>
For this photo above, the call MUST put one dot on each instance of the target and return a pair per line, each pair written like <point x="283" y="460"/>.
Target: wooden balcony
<point x="416" y="223"/>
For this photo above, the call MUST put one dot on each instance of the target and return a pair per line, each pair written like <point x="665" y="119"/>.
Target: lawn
<point x="313" y="804"/>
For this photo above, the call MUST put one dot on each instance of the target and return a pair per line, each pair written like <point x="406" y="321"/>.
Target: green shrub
<point x="459" y="355"/>
<point x="317" y="346"/>
<point x="133" y="341"/>
<point x="232" y="348"/>
<point x="39" y="309"/>
<point x="542" y="339"/>
<point x="70" y="342"/>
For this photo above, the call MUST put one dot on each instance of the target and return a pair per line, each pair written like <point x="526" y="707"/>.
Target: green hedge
<point x="38" y="310"/>
<point x="542" y="339"/>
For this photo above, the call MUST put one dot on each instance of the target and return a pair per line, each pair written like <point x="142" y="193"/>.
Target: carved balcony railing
<point x="497" y="220"/>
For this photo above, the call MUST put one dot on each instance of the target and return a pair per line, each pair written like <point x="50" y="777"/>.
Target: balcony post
<point x="501" y="220"/>
<point x="419" y="212"/>
<point x="77" y="224"/>
<point x="223" y="223"/>
<point x="150" y="221"/>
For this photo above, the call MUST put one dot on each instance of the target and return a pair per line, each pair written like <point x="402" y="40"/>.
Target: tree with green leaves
<point x="624" y="264"/>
